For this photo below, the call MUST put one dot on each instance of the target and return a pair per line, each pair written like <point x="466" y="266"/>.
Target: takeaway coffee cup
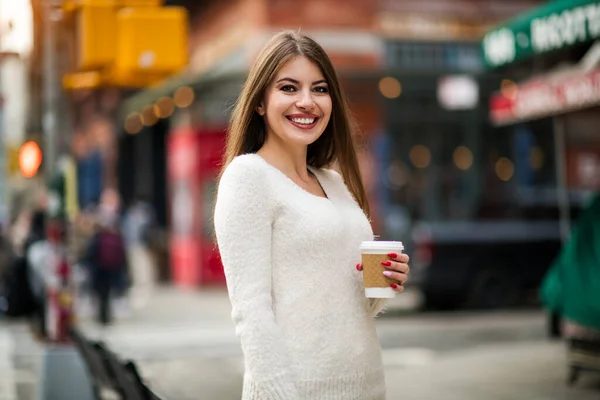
<point x="373" y="253"/>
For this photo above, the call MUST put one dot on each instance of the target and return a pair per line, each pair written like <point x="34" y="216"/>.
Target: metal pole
<point x="4" y="210"/>
<point x="51" y="94"/>
<point x="564" y="206"/>
<point x="3" y="159"/>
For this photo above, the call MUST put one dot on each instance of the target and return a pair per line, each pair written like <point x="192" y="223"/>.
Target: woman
<point x="289" y="231"/>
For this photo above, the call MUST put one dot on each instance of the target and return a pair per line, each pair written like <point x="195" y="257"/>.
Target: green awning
<point x="556" y="25"/>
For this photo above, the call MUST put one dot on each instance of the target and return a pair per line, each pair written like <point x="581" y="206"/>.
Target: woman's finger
<point x="397" y="276"/>
<point x="359" y="267"/>
<point x="397" y="288"/>
<point x="396" y="266"/>
<point x="403" y="258"/>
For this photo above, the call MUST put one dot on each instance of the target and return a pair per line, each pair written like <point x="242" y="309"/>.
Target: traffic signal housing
<point x="152" y="43"/>
<point x="127" y="43"/>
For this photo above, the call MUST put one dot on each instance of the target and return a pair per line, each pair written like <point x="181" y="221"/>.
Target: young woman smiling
<point x="289" y="230"/>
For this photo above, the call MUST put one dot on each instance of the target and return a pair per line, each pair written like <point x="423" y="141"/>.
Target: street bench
<point x="112" y="378"/>
<point x="583" y="355"/>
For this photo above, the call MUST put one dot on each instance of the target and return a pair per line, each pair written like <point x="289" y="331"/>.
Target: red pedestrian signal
<point x="30" y="159"/>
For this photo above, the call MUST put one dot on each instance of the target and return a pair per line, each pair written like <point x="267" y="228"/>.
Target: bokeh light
<point x="420" y="156"/>
<point x="397" y="174"/>
<point x="164" y="107"/>
<point x="390" y="87"/>
<point x="133" y="123"/>
<point x="148" y="116"/>
<point x="184" y="97"/>
<point x="463" y="158"/>
<point x="505" y="169"/>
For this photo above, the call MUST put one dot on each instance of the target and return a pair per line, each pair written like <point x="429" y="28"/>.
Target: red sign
<point x="183" y="155"/>
<point x="546" y="96"/>
<point x="193" y="153"/>
<point x="194" y="160"/>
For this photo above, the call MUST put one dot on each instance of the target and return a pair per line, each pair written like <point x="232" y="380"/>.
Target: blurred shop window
<point x="450" y="173"/>
<point x="520" y="176"/>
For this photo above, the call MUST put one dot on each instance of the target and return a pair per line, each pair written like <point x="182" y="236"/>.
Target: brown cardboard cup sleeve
<point x="373" y="253"/>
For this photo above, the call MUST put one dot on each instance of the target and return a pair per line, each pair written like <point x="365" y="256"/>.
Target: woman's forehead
<point x="300" y="69"/>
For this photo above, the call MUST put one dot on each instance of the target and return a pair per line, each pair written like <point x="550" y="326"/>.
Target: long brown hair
<point x="247" y="131"/>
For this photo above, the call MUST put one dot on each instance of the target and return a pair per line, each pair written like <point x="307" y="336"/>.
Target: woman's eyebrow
<point x="294" y="81"/>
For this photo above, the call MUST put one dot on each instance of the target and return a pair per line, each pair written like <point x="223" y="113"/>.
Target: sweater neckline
<point x="313" y="170"/>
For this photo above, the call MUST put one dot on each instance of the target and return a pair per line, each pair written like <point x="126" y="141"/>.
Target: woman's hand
<point x="396" y="268"/>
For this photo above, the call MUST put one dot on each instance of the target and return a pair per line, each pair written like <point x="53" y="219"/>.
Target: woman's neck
<point x="289" y="160"/>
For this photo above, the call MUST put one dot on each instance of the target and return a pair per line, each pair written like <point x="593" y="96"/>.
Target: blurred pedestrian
<point x="37" y="252"/>
<point x="138" y="225"/>
<point x="107" y="262"/>
<point x="109" y="208"/>
<point x="83" y="229"/>
<point x="289" y="230"/>
<point x="23" y="279"/>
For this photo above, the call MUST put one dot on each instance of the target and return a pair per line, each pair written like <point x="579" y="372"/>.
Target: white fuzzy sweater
<point x="306" y="328"/>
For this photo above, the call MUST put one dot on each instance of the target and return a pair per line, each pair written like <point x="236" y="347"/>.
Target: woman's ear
<point x="260" y="110"/>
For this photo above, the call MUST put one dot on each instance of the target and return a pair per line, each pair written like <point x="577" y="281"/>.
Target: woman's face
<point x="297" y="104"/>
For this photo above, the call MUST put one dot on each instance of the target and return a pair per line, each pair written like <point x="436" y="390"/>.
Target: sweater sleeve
<point x="244" y="214"/>
<point x="377" y="306"/>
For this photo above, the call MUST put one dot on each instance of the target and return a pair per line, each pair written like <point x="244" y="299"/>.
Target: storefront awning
<point x="147" y="97"/>
<point x="558" y="93"/>
<point x="557" y="25"/>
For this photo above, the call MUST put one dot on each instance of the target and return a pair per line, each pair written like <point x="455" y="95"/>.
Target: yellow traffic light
<point x="127" y="43"/>
<point x="96" y="24"/>
<point x="151" y="40"/>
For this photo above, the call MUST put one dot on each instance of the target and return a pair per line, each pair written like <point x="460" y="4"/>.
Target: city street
<point x="149" y="146"/>
<point x="186" y="348"/>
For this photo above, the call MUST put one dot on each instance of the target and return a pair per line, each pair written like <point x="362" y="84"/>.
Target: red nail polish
<point x="358" y="267"/>
<point x="392" y="255"/>
<point x="386" y="263"/>
<point x="393" y="286"/>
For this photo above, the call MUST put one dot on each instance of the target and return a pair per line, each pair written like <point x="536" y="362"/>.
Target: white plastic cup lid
<point x="377" y="245"/>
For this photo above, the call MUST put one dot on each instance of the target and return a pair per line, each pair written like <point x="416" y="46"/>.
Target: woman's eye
<point x="288" y="88"/>
<point x="321" y="89"/>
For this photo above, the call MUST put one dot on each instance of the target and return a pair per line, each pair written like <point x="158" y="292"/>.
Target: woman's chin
<point x="304" y="138"/>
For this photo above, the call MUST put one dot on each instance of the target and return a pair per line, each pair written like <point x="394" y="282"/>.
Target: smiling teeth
<point x="304" y="121"/>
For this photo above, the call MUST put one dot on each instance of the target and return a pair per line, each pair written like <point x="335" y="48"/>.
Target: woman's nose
<point x="305" y="100"/>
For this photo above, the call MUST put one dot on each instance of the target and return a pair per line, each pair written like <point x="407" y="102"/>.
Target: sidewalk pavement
<point x="185" y="345"/>
<point x="508" y="371"/>
<point x="8" y="389"/>
<point x="523" y="371"/>
<point x="21" y="359"/>
<point x="182" y="359"/>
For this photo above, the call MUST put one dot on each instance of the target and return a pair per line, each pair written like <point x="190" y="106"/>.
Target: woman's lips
<point x="303" y="125"/>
